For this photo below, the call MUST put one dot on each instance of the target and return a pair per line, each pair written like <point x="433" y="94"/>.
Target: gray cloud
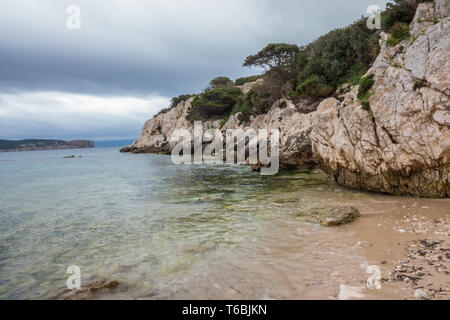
<point x="149" y="48"/>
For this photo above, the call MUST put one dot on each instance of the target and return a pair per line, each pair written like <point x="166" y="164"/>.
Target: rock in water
<point x="88" y="290"/>
<point x="339" y="216"/>
<point x="126" y="149"/>
<point x="332" y="217"/>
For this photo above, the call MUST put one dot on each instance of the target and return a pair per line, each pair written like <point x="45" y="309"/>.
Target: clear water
<point x="161" y="230"/>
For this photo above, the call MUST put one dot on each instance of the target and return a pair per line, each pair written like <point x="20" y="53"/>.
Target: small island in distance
<point x="43" y="144"/>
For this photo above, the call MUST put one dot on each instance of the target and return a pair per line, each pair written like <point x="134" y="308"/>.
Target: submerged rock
<point x="339" y="216"/>
<point x="332" y="217"/>
<point x="126" y="149"/>
<point x="196" y="249"/>
<point x="88" y="290"/>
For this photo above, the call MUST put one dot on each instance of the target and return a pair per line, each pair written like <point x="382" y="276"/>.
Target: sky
<point x="129" y="57"/>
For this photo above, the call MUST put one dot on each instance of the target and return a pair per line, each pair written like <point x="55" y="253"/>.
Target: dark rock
<point x="88" y="290"/>
<point x="126" y="149"/>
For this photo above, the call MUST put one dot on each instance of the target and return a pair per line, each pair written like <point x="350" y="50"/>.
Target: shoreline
<point x="298" y="260"/>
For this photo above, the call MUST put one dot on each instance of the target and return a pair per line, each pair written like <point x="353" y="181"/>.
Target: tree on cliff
<point x="220" y="81"/>
<point x="274" y="55"/>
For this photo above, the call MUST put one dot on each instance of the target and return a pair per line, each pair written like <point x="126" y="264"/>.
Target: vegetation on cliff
<point x="244" y="80"/>
<point x="215" y="103"/>
<point x="310" y="72"/>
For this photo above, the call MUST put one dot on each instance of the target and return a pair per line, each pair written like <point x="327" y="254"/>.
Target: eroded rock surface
<point x="88" y="290"/>
<point x="294" y="126"/>
<point x="402" y="144"/>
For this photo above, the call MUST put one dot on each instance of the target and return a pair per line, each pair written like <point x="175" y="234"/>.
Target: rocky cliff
<point x="402" y="144"/>
<point x="398" y="145"/>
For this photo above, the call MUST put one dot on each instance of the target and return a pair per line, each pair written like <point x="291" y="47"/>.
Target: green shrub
<point x="402" y="11"/>
<point x="224" y="121"/>
<point x="355" y="74"/>
<point x="256" y="101"/>
<point x="220" y="82"/>
<point x="245" y="107"/>
<point x="365" y="85"/>
<point x="365" y="105"/>
<point x="273" y="55"/>
<point x="175" y="102"/>
<point x="293" y="95"/>
<point x="314" y="86"/>
<point x="399" y="32"/>
<point x="365" y="92"/>
<point x="312" y="71"/>
<point x="335" y="58"/>
<point x="242" y="81"/>
<point x="214" y="103"/>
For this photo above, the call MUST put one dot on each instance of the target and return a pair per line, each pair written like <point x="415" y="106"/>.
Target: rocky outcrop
<point x="332" y="217"/>
<point x="402" y="144"/>
<point x="399" y="145"/>
<point x="156" y="133"/>
<point x="88" y="290"/>
<point x="295" y="128"/>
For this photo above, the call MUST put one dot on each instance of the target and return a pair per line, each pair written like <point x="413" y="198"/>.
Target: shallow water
<point x="167" y="231"/>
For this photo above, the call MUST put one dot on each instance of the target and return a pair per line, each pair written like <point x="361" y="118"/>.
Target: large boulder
<point x="332" y="217"/>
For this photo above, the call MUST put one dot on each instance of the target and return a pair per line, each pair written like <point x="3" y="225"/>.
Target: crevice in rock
<point x="374" y="123"/>
<point x="391" y="138"/>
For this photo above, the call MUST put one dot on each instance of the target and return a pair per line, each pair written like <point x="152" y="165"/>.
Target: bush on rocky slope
<point x="244" y="80"/>
<point x="214" y="103"/>
<point x="175" y="101"/>
<point x="313" y="72"/>
<point x="364" y="92"/>
<point x="399" y="32"/>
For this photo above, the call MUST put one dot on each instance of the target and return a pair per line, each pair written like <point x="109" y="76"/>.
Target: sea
<point x="166" y="231"/>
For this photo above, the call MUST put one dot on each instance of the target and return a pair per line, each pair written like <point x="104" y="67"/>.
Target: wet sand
<point x="305" y="261"/>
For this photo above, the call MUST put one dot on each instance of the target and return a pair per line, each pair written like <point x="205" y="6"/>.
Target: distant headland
<point x="41" y="144"/>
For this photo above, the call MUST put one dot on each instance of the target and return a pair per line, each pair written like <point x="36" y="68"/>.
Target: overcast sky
<point x="130" y="56"/>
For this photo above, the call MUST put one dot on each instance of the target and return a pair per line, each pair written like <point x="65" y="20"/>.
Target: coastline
<point x="42" y="145"/>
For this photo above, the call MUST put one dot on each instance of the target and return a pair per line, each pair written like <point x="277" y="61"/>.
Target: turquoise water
<point x="137" y="219"/>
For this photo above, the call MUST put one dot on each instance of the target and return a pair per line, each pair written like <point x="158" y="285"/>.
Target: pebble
<point x="420" y="294"/>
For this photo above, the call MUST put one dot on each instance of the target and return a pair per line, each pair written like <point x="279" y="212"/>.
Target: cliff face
<point x="295" y="128"/>
<point x="400" y="146"/>
<point x="156" y="133"/>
